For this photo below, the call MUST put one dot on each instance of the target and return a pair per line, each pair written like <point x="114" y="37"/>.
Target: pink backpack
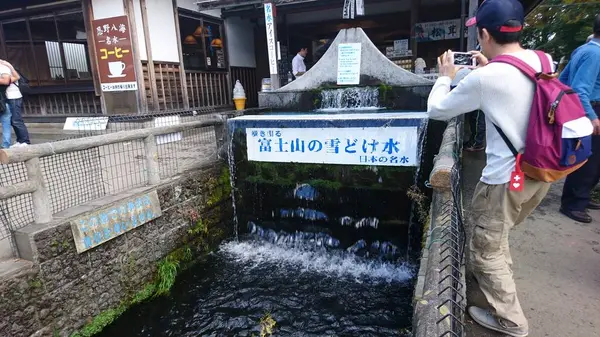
<point x="558" y="139"/>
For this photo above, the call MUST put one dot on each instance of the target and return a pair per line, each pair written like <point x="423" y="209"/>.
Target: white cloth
<point x="12" y="92"/>
<point x="505" y="95"/>
<point x="298" y="65"/>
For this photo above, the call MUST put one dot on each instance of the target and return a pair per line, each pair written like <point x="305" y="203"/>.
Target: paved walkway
<point x="556" y="267"/>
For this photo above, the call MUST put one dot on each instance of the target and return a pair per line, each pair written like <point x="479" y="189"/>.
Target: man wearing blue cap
<point x="505" y="95"/>
<point x="582" y="74"/>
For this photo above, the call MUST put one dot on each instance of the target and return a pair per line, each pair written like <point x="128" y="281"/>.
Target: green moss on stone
<point x="35" y="283"/>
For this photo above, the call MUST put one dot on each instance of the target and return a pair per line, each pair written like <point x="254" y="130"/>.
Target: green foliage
<point x="219" y="187"/>
<point x="384" y="91"/>
<point x="166" y="274"/>
<point x="100" y="322"/>
<point x="148" y="291"/>
<point x="421" y="204"/>
<point x="267" y="324"/>
<point x="35" y="283"/>
<point x="560" y="26"/>
<point x="199" y="228"/>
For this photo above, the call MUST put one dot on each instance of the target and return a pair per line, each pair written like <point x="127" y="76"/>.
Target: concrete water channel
<point x="323" y="249"/>
<point x="359" y="245"/>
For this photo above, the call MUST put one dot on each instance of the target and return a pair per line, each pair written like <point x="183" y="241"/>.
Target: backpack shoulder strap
<point x="506" y="140"/>
<point x="517" y="63"/>
<point x="546" y="66"/>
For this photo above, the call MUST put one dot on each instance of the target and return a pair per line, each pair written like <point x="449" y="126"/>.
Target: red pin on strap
<point x="517" y="178"/>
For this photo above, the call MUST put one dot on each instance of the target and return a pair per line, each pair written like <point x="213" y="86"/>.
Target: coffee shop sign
<point x="114" y="54"/>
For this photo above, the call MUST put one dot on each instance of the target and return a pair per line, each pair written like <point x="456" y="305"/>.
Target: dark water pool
<point x="308" y="292"/>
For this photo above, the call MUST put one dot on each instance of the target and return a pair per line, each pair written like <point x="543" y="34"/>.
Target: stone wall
<point x="59" y="290"/>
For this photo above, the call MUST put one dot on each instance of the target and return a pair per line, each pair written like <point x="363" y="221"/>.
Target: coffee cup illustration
<point x="116" y="69"/>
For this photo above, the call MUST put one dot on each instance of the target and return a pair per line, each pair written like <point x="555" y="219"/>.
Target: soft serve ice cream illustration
<point x="239" y="96"/>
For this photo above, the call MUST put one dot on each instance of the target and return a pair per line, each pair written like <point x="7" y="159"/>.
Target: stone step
<point x="12" y="266"/>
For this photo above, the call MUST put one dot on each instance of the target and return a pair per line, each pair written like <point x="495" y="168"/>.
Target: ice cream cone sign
<point x="239" y="96"/>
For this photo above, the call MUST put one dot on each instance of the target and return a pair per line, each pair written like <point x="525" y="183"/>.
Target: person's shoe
<point x="474" y="147"/>
<point x="579" y="216"/>
<point x="593" y="205"/>
<point x="486" y="319"/>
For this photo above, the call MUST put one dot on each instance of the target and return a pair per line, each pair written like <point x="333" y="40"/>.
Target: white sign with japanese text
<point x="348" y="63"/>
<point x="122" y="86"/>
<point x="86" y="123"/>
<point x="168" y="121"/>
<point x="376" y="146"/>
<point x="271" y="42"/>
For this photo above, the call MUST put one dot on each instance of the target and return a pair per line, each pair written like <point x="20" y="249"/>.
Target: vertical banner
<point x="346" y="9"/>
<point x="114" y="54"/>
<point x="360" y="7"/>
<point x="348" y="71"/>
<point x="271" y="43"/>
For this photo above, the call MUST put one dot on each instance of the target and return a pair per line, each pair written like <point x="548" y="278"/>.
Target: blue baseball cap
<point x="494" y="14"/>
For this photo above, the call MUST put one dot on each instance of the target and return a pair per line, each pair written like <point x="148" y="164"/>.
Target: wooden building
<point x="187" y="54"/>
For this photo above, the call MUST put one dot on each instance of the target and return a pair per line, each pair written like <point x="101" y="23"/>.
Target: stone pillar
<point x="42" y="210"/>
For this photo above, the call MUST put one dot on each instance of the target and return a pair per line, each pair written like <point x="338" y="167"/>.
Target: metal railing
<point x="41" y="180"/>
<point x="452" y="287"/>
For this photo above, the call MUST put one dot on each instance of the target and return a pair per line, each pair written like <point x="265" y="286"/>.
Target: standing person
<point x="298" y="66"/>
<point x="6" y="80"/>
<point x="582" y="73"/>
<point x="505" y="95"/>
<point x="15" y="99"/>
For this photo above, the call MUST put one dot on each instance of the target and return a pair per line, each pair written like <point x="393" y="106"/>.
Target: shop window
<point x="202" y="43"/>
<point x="49" y="49"/>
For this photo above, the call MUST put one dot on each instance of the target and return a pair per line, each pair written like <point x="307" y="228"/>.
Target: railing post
<point x="42" y="211"/>
<point x="152" y="160"/>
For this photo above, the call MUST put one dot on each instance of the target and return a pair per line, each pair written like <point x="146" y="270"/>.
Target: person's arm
<point x="14" y="75"/>
<point x="295" y="66"/>
<point x="5" y="79"/>
<point x="584" y="79"/>
<point x="444" y="104"/>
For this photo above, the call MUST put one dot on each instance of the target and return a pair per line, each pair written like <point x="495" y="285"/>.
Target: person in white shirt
<point x="505" y="96"/>
<point x="298" y="66"/>
<point x="6" y="80"/>
<point x="15" y="99"/>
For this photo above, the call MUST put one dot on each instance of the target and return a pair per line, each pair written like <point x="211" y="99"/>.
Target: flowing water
<point x="308" y="292"/>
<point x="358" y="98"/>
<point x="327" y="261"/>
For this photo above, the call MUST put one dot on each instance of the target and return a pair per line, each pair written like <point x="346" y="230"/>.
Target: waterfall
<point x="350" y="98"/>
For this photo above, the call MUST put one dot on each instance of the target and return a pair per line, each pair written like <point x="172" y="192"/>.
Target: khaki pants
<point x="495" y="211"/>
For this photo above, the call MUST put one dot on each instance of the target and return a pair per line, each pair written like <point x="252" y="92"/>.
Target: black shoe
<point x="579" y="216"/>
<point x="593" y="205"/>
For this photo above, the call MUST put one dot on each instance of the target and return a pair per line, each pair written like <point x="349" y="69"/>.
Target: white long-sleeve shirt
<point x="505" y="95"/>
<point x="298" y="65"/>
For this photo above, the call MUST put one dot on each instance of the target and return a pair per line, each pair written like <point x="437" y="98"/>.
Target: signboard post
<point x="271" y="28"/>
<point x="348" y="72"/>
<point x="116" y="65"/>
